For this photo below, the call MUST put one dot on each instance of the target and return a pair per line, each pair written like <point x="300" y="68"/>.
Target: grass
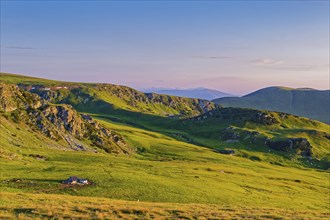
<point x="206" y="132"/>
<point x="104" y="96"/>
<point x="28" y="80"/>
<point x="175" y="172"/>
<point x="77" y="207"/>
<point x="166" y="171"/>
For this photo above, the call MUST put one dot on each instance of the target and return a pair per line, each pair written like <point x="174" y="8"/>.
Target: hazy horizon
<point x="233" y="47"/>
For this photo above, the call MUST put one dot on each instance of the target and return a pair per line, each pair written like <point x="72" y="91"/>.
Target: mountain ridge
<point x="111" y="96"/>
<point x="305" y="102"/>
<point x="205" y="155"/>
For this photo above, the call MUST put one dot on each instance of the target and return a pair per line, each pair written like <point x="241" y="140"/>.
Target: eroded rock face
<point x="143" y="101"/>
<point x="195" y="105"/>
<point x="12" y="98"/>
<point x="235" y="133"/>
<point x="54" y="120"/>
<point x="240" y="115"/>
<point x="66" y="118"/>
<point x="265" y="118"/>
<point x="301" y="145"/>
<point x="59" y="122"/>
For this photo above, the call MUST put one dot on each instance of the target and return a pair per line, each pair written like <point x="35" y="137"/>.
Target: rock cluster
<point x="265" y="118"/>
<point x="58" y="122"/>
<point x="301" y="145"/>
<point x="239" y="115"/>
<point x="144" y="102"/>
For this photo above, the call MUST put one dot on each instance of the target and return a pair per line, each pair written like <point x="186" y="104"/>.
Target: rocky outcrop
<point x="239" y="115"/>
<point x="133" y="99"/>
<point x="233" y="134"/>
<point x="264" y="118"/>
<point x="299" y="145"/>
<point x="58" y="122"/>
<point x="12" y="98"/>
<point x="181" y="104"/>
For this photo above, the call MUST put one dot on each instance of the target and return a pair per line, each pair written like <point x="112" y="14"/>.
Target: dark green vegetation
<point x="310" y="103"/>
<point x="155" y="148"/>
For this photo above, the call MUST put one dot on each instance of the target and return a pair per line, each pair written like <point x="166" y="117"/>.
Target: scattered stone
<point x="228" y="152"/>
<point x="265" y="118"/>
<point x="14" y="180"/>
<point x="38" y="157"/>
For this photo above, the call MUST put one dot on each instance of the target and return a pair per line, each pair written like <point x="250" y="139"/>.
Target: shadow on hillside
<point x="26" y="211"/>
<point x="168" y="126"/>
<point x="45" y="180"/>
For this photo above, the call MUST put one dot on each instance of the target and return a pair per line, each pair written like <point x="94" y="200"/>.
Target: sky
<point x="233" y="46"/>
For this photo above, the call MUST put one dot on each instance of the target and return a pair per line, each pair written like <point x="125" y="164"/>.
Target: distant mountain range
<point x="200" y="93"/>
<point x="311" y="103"/>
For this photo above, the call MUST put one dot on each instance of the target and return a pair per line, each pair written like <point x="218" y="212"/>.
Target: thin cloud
<point x="300" y="67"/>
<point x="20" y="47"/>
<point x="212" y="57"/>
<point x="282" y="65"/>
<point x="267" y="62"/>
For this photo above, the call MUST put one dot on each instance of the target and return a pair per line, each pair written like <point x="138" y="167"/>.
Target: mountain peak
<point x="305" y="102"/>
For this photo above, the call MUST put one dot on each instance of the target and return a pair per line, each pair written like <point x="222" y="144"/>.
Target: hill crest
<point x="303" y="102"/>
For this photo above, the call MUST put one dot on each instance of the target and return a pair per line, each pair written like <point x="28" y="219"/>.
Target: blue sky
<point x="233" y="46"/>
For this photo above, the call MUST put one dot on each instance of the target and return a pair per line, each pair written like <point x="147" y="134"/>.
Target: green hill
<point x="306" y="102"/>
<point x="249" y="133"/>
<point x="60" y="123"/>
<point x="261" y="135"/>
<point x="179" y="159"/>
<point x="107" y="97"/>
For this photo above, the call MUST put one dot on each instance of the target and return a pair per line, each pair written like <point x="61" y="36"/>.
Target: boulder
<point x="300" y="145"/>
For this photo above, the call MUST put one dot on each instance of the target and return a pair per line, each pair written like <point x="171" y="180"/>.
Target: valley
<point x="160" y="157"/>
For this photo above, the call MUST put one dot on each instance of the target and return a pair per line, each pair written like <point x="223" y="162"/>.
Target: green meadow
<point x="167" y="171"/>
<point x="175" y="171"/>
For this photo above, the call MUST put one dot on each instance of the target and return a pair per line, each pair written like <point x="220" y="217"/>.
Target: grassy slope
<point x="112" y="97"/>
<point x="207" y="131"/>
<point x="78" y="207"/>
<point x="308" y="103"/>
<point x="16" y="79"/>
<point x="166" y="170"/>
<point x="115" y="103"/>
